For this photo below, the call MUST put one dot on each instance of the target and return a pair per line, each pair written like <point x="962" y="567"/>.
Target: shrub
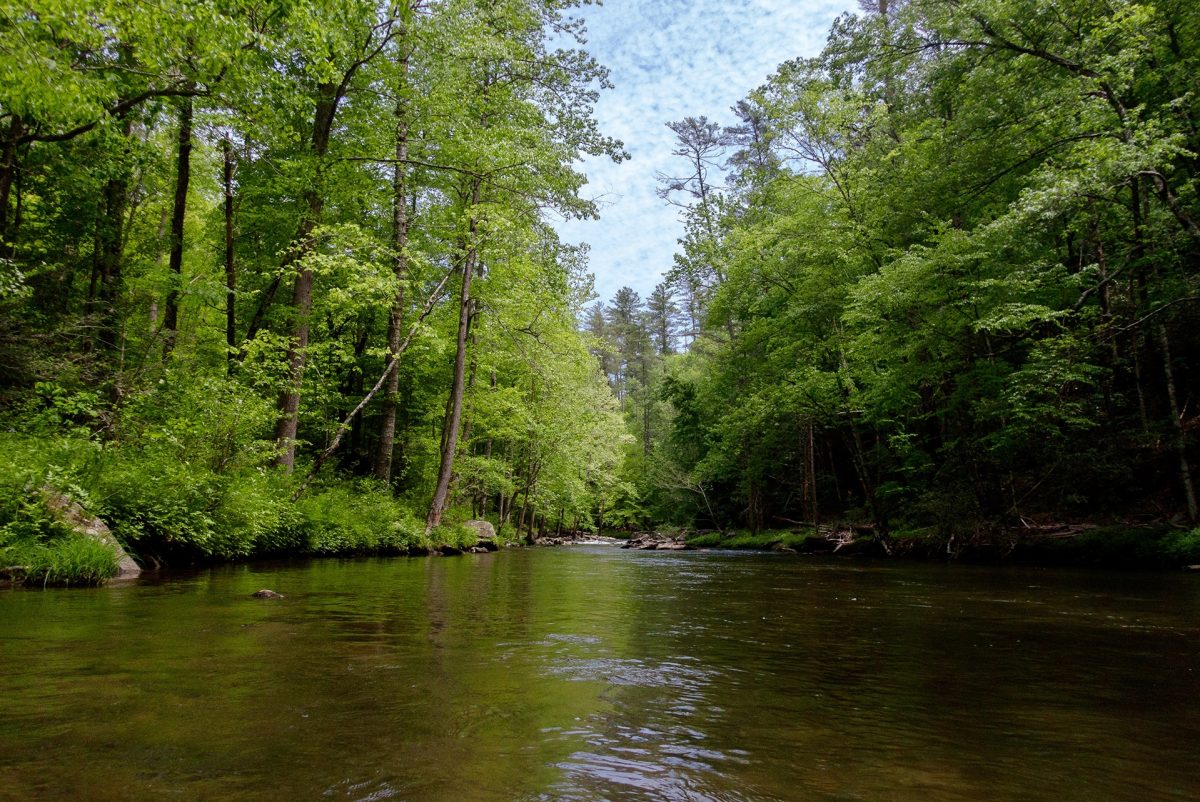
<point x="358" y="517"/>
<point x="454" y="534"/>
<point x="1182" y="548"/>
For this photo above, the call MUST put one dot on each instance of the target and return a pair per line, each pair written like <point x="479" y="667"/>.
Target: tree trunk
<point x="400" y="222"/>
<point x="158" y="260"/>
<point x="289" y="400"/>
<point x="178" y="216"/>
<point x="230" y="271"/>
<point x="110" y="239"/>
<point x="8" y="171"/>
<point x="1185" y="470"/>
<point x="441" y="494"/>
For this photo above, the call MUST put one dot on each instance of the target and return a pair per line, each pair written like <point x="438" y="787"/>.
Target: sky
<point x="671" y="59"/>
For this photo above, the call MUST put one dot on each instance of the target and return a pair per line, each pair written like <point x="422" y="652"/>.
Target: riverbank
<point x="168" y="512"/>
<point x="164" y="512"/>
<point x="1080" y="544"/>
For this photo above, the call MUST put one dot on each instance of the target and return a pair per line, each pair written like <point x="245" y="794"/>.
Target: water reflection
<point x="597" y="673"/>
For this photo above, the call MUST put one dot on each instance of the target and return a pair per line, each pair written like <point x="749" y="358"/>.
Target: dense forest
<point x="943" y="274"/>
<point x="282" y="277"/>
<point x="279" y="276"/>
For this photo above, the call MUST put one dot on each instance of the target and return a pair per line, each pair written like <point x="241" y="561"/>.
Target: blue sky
<point x="670" y="59"/>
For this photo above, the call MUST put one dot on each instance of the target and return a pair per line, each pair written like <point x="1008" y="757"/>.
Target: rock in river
<point x="267" y="594"/>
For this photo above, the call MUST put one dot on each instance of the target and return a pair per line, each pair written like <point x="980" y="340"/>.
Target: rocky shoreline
<point x="1055" y="544"/>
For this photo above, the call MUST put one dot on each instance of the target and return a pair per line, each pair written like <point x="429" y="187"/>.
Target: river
<point x="594" y="673"/>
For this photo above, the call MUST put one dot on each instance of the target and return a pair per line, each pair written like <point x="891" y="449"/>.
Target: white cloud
<point x="671" y="59"/>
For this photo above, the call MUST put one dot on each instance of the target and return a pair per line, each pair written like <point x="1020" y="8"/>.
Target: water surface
<point x="594" y="673"/>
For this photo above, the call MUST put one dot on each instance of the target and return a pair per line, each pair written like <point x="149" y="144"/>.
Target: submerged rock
<point x="267" y="594"/>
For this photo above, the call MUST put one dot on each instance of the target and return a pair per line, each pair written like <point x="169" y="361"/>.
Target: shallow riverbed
<point x="590" y="672"/>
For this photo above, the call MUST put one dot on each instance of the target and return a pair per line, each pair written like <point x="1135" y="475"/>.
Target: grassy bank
<point x="164" y="509"/>
<point x="736" y="539"/>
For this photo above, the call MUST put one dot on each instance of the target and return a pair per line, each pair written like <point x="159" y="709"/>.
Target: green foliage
<point x="453" y="534"/>
<point x="1182" y="548"/>
<point x="46" y="550"/>
<point x="70" y="560"/>
<point x="952" y="279"/>
<point x="952" y="276"/>
<point x="761" y="541"/>
<point x="310" y="102"/>
<point x="360" y="519"/>
<point x="1121" y="547"/>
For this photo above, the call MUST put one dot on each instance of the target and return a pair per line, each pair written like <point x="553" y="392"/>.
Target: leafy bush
<point x="148" y="497"/>
<point x="454" y="534"/>
<point x="256" y="515"/>
<point x="355" y="518"/>
<point x="210" y="421"/>
<point x="1182" y="548"/>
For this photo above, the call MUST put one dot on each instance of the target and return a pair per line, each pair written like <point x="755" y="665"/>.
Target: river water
<point x="594" y="673"/>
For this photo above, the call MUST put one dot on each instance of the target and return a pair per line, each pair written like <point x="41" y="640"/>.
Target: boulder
<point x="641" y="540"/>
<point x="483" y="529"/>
<point x="449" y="551"/>
<point x="73" y="515"/>
<point x="267" y="594"/>
<point x="651" y="541"/>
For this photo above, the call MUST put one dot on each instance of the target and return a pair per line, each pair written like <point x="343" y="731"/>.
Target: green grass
<point x="47" y="551"/>
<point x="70" y="560"/>
<point x="453" y="534"/>
<point x="740" y="539"/>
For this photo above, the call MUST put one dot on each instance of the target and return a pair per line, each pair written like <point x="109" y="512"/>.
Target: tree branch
<point x="391" y="366"/>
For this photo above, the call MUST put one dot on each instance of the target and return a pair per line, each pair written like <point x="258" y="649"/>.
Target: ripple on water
<point x="595" y="673"/>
